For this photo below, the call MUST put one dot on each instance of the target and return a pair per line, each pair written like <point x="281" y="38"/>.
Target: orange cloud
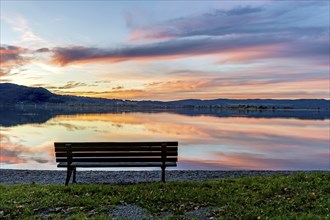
<point x="138" y="35"/>
<point x="170" y="49"/>
<point x="206" y="89"/>
<point x="117" y="94"/>
<point x="63" y="60"/>
<point x="11" y="57"/>
<point x="249" y="54"/>
<point x="176" y="85"/>
<point x="10" y="51"/>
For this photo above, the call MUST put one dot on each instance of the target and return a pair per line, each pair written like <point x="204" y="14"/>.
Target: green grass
<point x="298" y="196"/>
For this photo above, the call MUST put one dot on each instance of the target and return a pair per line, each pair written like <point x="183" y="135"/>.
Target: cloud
<point x="297" y="30"/>
<point x="287" y="34"/>
<point x="242" y="34"/>
<point x="118" y="88"/>
<point x="175" y="85"/>
<point x="43" y="50"/>
<point x="12" y="58"/>
<point x="281" y="46"/>
<point x="206" y="86"/>
<point x="112" y="94"/>
<point x="103" y="81"/>
<point x="9" y="53"/>
<point x="27" y="35"/>
<point x="68" y="85"/>
<point x="212" y="85"/>
<point x="272" y="18"/>
<point x="278" y="30"/>
<point x="72" y="84"/>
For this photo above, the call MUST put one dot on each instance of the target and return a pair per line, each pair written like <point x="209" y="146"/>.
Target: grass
<point x="298" y="196"/>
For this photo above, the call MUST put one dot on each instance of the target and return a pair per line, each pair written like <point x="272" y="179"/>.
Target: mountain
<point x="17" y="94"/>
<point x="12" y="93"/>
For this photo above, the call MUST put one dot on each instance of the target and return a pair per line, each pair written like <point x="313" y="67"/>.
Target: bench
<point x="71" y="155"/>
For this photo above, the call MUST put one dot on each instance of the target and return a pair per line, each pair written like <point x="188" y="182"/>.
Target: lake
<point x="208" y="140"/>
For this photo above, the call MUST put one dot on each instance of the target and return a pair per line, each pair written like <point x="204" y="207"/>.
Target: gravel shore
<point x="9" y="176"/>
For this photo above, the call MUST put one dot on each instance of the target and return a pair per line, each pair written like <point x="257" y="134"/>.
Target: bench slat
<point x="116" y="159"/>
<point x="114" y="144"/>
<point x="112" y="159"/>
<point x="110" y="148"/>
<point x="118" y="154"/>
<point x="118" y="164"/>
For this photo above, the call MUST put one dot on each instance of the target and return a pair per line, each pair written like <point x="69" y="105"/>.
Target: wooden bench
<point x="115" y="154"/>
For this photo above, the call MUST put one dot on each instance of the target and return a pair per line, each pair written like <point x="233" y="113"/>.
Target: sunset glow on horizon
<point x="168" y="50"/>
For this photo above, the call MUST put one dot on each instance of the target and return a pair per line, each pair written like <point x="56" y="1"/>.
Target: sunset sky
<point x="168" y="50"/>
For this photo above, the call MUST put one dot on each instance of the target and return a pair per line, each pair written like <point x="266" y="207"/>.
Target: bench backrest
<point x="116" y="152"/>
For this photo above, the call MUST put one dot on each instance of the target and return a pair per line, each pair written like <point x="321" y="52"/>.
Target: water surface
<point x="206" y="141"/>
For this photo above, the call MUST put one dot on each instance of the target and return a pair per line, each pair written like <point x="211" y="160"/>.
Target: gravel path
<point x="8" y="176"/>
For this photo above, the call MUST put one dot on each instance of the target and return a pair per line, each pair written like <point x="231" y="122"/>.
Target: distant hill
<point x="12" y="93"/>
<point x="17" y="94"/>
<point x="259" y="103"/>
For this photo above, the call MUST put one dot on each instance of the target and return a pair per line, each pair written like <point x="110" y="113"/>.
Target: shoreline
<point x="15" y="176"/>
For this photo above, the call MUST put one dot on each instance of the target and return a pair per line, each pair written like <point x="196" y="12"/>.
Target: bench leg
<point x="68" y="175"/>
<point x="74" y="175"/>
<point x="163" y="174"/>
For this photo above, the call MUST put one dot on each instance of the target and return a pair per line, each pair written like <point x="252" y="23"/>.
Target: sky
<point x="168" y="50"/>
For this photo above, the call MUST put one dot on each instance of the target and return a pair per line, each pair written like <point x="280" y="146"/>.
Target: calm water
<point x="213" y="140"/>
